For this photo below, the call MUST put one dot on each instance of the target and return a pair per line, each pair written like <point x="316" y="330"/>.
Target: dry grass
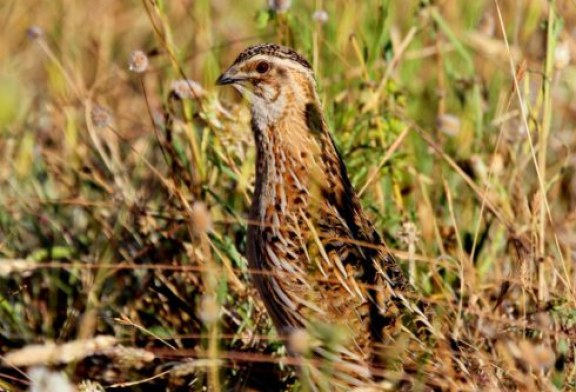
<point x="123" y="187"/>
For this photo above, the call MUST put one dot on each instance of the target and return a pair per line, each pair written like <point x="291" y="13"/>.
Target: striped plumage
<point x="320" y="258"/>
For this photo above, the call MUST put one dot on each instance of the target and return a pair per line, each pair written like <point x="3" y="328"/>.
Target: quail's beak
<point x="229" y="77"/>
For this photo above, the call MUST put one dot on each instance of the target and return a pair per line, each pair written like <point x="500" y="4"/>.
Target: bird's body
<point x="314" y="255"/>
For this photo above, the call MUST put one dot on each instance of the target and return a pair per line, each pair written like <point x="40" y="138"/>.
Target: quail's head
<point x="272" y="76"/>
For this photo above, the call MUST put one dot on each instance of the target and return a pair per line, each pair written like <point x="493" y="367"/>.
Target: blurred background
<point x="126" y="176"/>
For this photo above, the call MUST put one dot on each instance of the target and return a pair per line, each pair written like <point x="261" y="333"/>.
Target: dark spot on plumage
<point x="257" y="133"/>
<point x="292" y="236"/>
<point x="298" y="200"/>
<point x="394" y="273"/>
<point x="314" y="118"/>
<point x="329" y="247"/>
<point x="274" y="50"/>
<point x="292" y="256"/>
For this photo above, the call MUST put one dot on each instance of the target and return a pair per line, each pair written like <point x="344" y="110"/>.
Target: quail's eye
<point x="262" y="67"/>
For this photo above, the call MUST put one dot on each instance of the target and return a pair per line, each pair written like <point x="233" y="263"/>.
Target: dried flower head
<point x="101" y="117"/>
<point x="34" y="32"/>
<point x="562" y="55"/>
<point x="129" y="357"/>
<point x="187" y="89"/>
<point x="409" y="233"/>
<point x="200" y="218"/>
<point x="487" y="25"/>
<point x="448" y="124"/>
<point x="46" y="380"/>
<point x="90" y="386"/>
<point x="300" y="341"/>
<point x="320" y="16"/>
<point x="514" y="130"/>
<point x="138" y="61"/>
<point x="209" y="309"/>
<point x="279" y="6"/>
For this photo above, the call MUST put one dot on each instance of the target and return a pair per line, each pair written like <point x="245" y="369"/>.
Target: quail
<point x="314" y="255"/>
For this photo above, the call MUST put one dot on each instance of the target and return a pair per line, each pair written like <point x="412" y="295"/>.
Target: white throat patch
<point x="264" y="114"/>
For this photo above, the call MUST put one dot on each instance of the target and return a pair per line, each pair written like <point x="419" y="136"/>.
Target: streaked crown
<point x="254" y="63"/>
<point x="273" y="50"/>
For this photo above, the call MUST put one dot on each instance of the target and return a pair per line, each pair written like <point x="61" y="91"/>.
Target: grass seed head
<point x="187" y="89"/>
<point x="300" y="341"/>
<point x="409" y="233"/>
<point x="448" y="124"/>
<point x="209" y="309"/>
<point x="101" y="117"/>
<point x="138" y="62"/>
<point x="279" y="6"/>
<point x="200" y="218"/>
<point x="34" y="32"/>
<point x="320" y="16"/>
<point x="562" y="55"/>
<point x="45" y="380"/>
<point x="487" y="25"/>
<point x="130" y="357"/>
<point x="90" y="386"/>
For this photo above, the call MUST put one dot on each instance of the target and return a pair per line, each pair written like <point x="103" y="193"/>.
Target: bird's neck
<point x="294" y="156"/>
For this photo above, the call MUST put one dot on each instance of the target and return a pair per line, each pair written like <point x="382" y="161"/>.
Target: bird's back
<point x="318" y="259"/>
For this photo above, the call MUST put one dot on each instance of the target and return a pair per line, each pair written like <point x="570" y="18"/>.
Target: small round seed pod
<point x="138" y="62"/>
